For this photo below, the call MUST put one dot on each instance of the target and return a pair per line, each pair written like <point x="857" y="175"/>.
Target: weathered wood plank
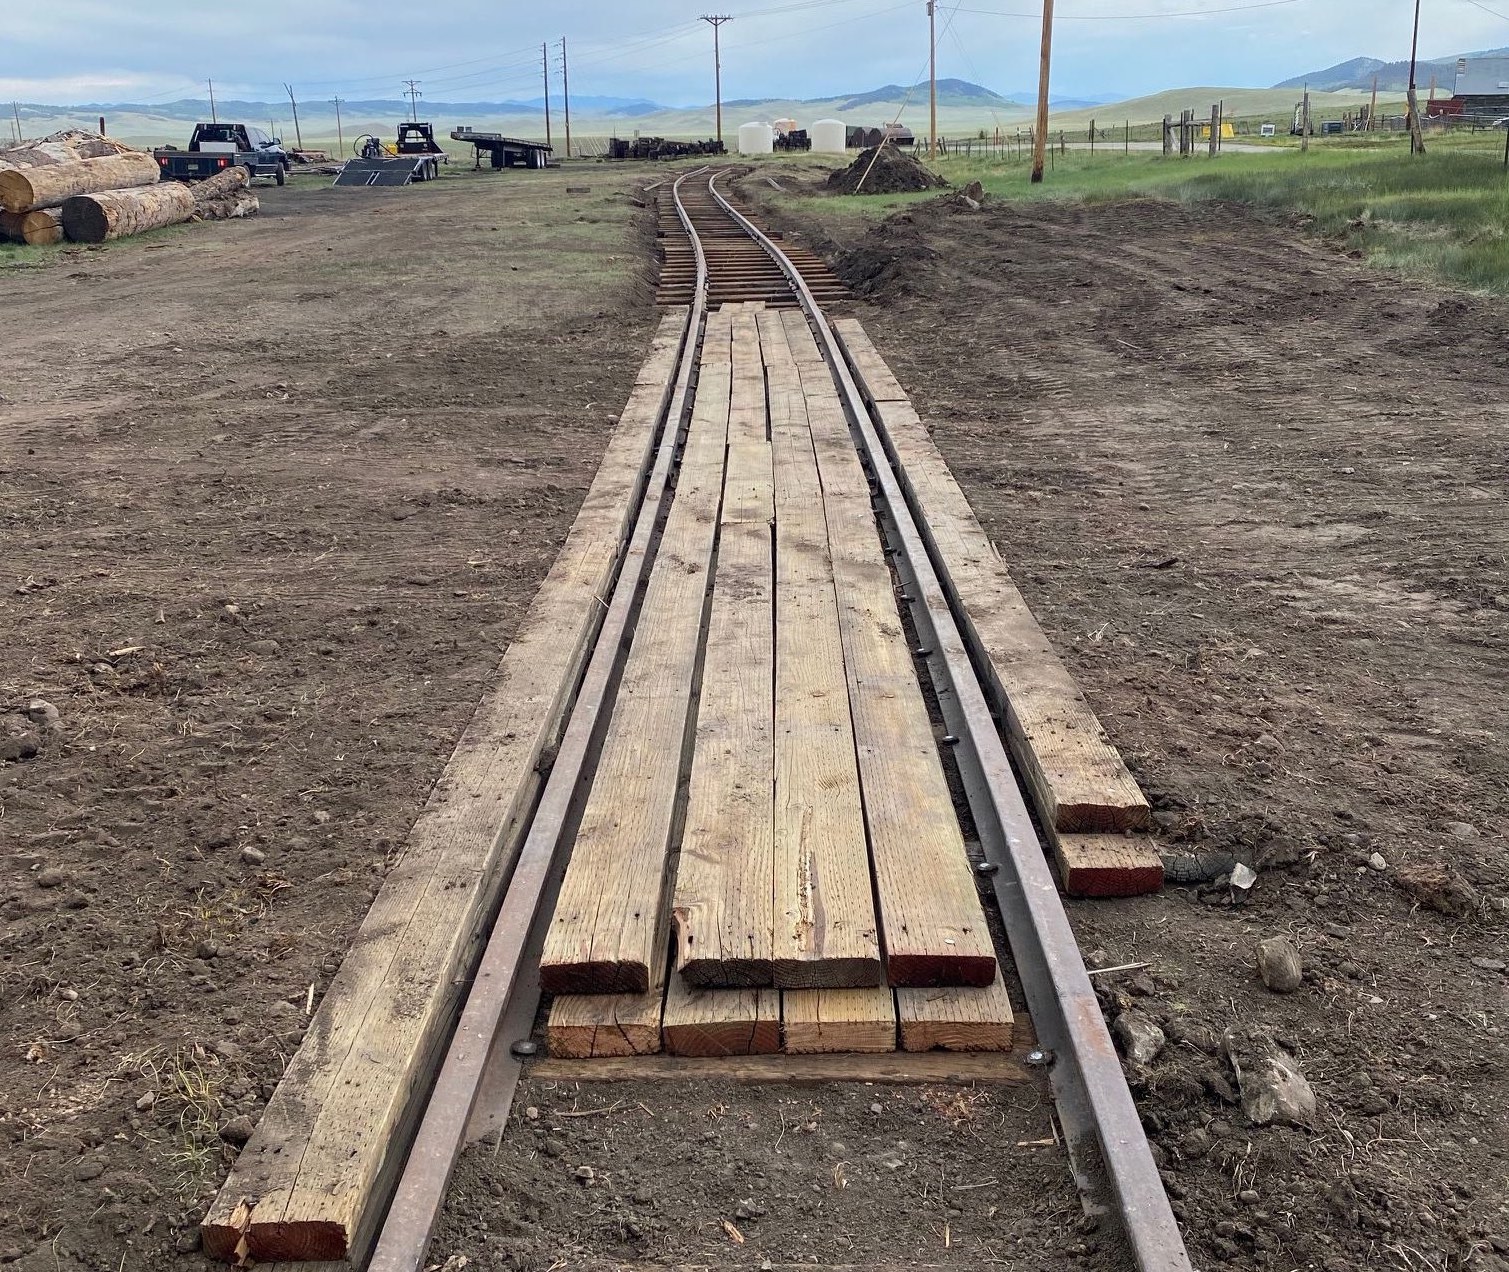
<point x="307" y="1184"/>
<point x="1075" y="776"/>
<point x="720" y="1022"/>
<point x="893" y="1068"/>
<point x="826" y="932"/>
<point x="952" y="1019"/>
<point x="838" y="1020"/>
<point x="592" y="1026"/>
<point x="724" y="901"/>
<point x="611" y="922"/>
<point x="932" y="924"/>
<point x="1107" y="865"/>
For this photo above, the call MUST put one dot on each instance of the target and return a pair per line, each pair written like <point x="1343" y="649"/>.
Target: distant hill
<point x="1393" y="77"/>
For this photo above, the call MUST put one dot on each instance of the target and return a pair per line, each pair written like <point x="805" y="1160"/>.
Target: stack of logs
<point x="91" y="189"/>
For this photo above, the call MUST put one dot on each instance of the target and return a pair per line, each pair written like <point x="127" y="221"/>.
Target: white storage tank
<point x="829" y="137"/>
<point x="756" y="139"/>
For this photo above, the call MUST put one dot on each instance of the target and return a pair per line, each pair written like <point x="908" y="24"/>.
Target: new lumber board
<point x="838" y="1020"/>
<point x="952" y="1019"/>
<point x="723" y="906"/>
<point x="611" y="922"/>
<point x="826" y="927"/>
<point x="1107" y="865"/>
<point x="891" y="1068"/>
<point x="720" y="1022"/>
<point x="1076" y="778"/>
<point x="310" y="1183"/>
<point x="932" y="923"/>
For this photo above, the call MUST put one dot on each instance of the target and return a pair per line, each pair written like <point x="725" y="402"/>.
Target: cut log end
<point x="1103" y="816"/>
<point x="930" y="971"/>
<point x="597" y="1041"/>
<point x="223" y="1232"/>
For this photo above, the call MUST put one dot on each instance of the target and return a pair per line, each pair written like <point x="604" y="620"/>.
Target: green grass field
<point x="1442" y="216"/>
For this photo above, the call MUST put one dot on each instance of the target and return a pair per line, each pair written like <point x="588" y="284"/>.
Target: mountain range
<point x="1393" y="77"/>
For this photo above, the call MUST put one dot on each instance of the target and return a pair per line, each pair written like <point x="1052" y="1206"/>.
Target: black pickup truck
<point x="216" y="147"/>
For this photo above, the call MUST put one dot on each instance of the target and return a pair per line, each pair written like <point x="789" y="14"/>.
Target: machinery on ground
<point x="414" y="156"/>
<point x="661" y="148"/>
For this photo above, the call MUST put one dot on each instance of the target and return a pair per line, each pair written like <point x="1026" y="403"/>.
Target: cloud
<point x="93" y="50"/>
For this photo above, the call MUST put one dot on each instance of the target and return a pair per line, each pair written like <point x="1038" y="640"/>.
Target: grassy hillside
<point x="960" y="117"/>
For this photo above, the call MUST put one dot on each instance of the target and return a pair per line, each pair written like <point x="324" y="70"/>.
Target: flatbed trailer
<point x="505" y="152"/>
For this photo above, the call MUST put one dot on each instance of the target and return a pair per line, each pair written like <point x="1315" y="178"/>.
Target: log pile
<point x="89" y="189"/>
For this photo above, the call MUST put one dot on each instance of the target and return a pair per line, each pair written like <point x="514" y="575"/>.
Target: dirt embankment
<point x="1256" y="493"/>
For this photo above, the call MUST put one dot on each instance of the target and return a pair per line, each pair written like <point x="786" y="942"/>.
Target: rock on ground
<point x="1273" y="1087"/>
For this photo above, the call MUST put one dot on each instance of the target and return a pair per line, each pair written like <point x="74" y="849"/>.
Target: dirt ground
<point x="274" y="494"/>
<point x="265" y="543"/>
<point x="1256" y="493"/>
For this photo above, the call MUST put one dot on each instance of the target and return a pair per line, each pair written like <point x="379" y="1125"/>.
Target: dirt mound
<point x="894" y="172"/>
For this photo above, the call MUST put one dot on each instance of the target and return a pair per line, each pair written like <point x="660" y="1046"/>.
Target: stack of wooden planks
<point x="1088" y="805"/>
<point x="771" y="789"/>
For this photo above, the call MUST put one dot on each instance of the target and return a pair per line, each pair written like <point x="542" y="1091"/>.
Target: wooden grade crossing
<point x="768" y="866"/>
<point x="821" y="897"/>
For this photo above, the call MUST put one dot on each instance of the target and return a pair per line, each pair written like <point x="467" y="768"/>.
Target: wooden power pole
<point x="716" y="20"/>
<point x="214" y="118"/>
<point x="340" y="137"/>
<point x="1373" y="107"/>
<point x="566" y="94"/>
<point x="1416" y="133"/>
<point x="932" y="79"/>
<point x="1040" y="135"/>
<point x="298" y="137"/>
<point x="545" y="62"/>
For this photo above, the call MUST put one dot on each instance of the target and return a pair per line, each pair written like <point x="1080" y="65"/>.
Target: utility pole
<point x="298" y="137"/>
<point x="1416" y="134"/>
<point x="545" y="62"/>
<point x="340" y="137"/>
<point x="1373" y="107"/>
<point x="1040" y="134"/>
<point x="1304" y="121"/>
<point x="413" y="94"/>
<point x="214" y="118"/>
<point x="566" y="93"/>
<point x="715" y="20"/>
<point x="932" y="78"/>
<point x="15" y="108"/>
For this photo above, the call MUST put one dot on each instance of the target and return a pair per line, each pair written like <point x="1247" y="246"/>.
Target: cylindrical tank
<point x="829" y="137"/>
<point x="756" y="139"/>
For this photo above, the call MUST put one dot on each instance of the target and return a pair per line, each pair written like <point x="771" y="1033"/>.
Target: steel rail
<point x="415" y="1210"/>
<point x="1109" y="1153"/>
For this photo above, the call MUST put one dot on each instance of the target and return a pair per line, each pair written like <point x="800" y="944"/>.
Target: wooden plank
<point x="309" y="1183"/>
<point x="826" y="932"/>
<point x="592" y="1026"/>
<point x="838" y="1020"/>
<point x="951" y="1019"/>
<point x="892" y="1068"/>
<point x="723" y="906"/>
<point x="932" y="923"/>
<point x="1107" y="865"/>
<point x="611" y="922"/>
<point x="720" y="1022"/>
<point x="1075" y="776"/>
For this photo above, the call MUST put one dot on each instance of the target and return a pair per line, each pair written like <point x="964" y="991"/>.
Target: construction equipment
<point x="415" y="156"/>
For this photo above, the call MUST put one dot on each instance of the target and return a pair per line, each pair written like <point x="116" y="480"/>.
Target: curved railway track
<point x="726" y="257"/>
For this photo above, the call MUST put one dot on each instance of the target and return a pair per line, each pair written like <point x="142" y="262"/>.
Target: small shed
<point x="1483" y="86"/>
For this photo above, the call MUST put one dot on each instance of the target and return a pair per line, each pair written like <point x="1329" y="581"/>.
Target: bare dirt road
<point x="1259" y="497"/>
<point x="273" y="495"/>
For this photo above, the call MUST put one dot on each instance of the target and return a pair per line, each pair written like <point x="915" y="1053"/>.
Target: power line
<point x="1486" y="9"/>
<point x="1140" y="17"/>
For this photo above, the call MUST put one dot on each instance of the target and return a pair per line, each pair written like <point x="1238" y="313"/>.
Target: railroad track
<point x="726" y="256"/>
<point x="738" y="266"/>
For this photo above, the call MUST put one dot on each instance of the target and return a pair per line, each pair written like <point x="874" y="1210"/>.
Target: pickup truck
<point x="215" y="147"/>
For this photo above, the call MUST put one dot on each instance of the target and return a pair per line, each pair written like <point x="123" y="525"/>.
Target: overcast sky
<point x="75" y="51"/>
